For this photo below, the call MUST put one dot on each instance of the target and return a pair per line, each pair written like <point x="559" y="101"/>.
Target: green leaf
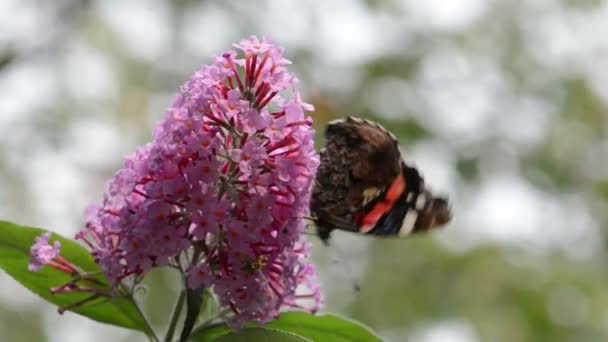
<point x="330" y="328"/>
<point x="468" y="168"/>
<point x="15" y="243"/>
<point x="210" y="333"/>
<point x="259" y="334"/>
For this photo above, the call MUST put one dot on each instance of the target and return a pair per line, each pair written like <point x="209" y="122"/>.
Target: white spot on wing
<point x="409" y="221"/>
<point x="336" y="122"/>
<point x="355" y="119"/>
<point x="410" y="197"/>
<point x="420" y="202"/>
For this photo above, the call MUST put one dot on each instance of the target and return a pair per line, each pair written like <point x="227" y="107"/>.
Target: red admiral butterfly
<point x="364" y="186"/>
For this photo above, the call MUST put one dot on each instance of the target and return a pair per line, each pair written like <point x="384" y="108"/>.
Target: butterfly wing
<point x="362" y="185"/>
<point x="358" y="162"/>
<point x="416" y="209"/>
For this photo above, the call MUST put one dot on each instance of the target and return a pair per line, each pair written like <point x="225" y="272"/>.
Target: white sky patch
<point x="70" y="327"/>
<point x="459" y="107"/>
<point x="95" y="143"/>
<point x="343" y="79"/>
<point x="459" y="95"/>
<point x="57" y="185"/>
<point x="453" y="15"/>
<point x="435" y="163"/>
<point x="510" y="211"/>
<point x="14" y="295"/>
<point x="275" y="16"/>
<point x="89" y="74"/>
<point x="209" y="30"/>
<point x="142" y="26"/>
<point x="25" y="86"/>
<point x="349" y="34"/>
<point x="598" y="77"/>
<point x="567" y="39"/>
<point x="391" y="97"/>
<point x="525" y="121"/>
<point x="571" y="41"/>
<point x="345" y="34"/>
<point x="343" y="264"/>
<point x="26" y="24"/>
<point x="17" y="18"/>
<point x="446" y="331"/>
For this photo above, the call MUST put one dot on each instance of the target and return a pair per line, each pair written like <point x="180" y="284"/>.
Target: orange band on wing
<point x="382" y="207"/>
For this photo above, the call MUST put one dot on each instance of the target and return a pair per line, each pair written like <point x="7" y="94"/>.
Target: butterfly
<point x="364" y="186"/>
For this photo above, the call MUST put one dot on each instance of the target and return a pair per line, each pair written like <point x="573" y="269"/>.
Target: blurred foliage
<point x="506" y="301"/>
<point x="491" y="88"/>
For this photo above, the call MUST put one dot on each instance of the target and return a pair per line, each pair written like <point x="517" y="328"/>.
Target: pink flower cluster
<point x="222" y="190"/>
<point x="41" y="253"/>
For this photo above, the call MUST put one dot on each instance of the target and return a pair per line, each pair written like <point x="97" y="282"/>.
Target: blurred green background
<point x="501" y="104"/>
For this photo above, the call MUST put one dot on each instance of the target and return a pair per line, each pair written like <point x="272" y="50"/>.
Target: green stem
<point x="129" y="296"/>
<point x="207" y="325"/>
<point x="149" y="331"/>
<point x="177" y="310"/>
<point x="194" y="300"/>
<point x="209" y="322"/>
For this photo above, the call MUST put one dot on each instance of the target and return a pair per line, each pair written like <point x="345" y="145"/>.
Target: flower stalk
<point x="177" y="311"/>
